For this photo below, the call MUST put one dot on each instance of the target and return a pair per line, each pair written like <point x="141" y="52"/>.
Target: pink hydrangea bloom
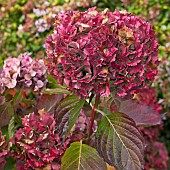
<point x="96" y="52"/>
<point x="11" y="71"/>
<point x="33" y="72"/>
<point x="37" y="143"/>
<point x="23" y="71"/>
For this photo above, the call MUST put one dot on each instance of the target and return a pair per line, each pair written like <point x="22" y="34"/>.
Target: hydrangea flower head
<point x="37" y="143"/>
<point x="24" y="71"/>
<point x="96" y="52"/>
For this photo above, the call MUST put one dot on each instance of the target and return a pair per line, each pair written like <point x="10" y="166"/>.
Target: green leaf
<point x="6" y="112"/>
<point x="119" y="142"/>
<point x="82" y="157"/>
<point x="11" y="127"/>
<point x="14" y="123"/>
<point x="17" y="98"/>
<point x="59" y="90"/>
<point x="52" y="82"/>
<point x="4" y="130"/>
<point x="10" y="164"/>
<point x="74" y="115"/>
<point x="67" y="112"/>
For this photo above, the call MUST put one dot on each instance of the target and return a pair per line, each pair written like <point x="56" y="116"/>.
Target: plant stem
<point x="92" y="116"/>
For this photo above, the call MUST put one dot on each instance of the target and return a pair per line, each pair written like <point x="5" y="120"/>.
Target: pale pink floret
<point x="23" y="71"/>
<point x="11" y="71"/>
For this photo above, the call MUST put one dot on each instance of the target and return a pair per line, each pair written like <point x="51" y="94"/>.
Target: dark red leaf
<point x="6" y="112"/>
<point x="48" y="102"/>
<point x="142" y="114"/>
<point x="2" y="100"/>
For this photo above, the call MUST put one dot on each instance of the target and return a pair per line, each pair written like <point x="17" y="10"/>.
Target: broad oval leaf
<point x="143" y="115"/>
<point x="82" y="157"/>
<point x="119" y="142"/>
<point x="66" y="113"/>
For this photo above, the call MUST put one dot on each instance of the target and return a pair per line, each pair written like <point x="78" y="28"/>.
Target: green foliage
<point x="59" y="90"/>
<point x="82" y="157"/>
<point x="14" y="124"/>
<point x="66" y="113"/>
<point x="10" y="164"/>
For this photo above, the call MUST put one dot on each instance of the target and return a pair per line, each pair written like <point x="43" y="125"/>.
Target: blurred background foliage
<point x="24" y="25"/>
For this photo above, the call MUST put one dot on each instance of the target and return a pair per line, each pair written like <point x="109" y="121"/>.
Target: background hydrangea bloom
<point x="37" y="143"/>
<point x="156" y="155"/>
<point x="97" y="51"/>
<point x="80" y="127"/>
<point x="25" y="71"/>
<point x="11" y="71"/>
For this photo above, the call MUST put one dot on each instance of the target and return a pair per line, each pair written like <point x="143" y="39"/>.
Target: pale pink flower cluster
<point x="23" y="71"/>
<point x="1" y="86"/>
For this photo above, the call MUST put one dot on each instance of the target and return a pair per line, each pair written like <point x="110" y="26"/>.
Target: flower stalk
<point x="92" y="116"/>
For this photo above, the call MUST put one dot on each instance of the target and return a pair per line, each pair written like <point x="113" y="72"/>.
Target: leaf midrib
<point x="119" y="137"/>
<point x="80" y="155"/>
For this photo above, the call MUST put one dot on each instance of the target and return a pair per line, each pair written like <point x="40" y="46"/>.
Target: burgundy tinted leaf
<point x="119" y="142"/>
<point x="111" y="103"/>
<point x="48" y="102"/>
<point x="2" y="100"/>
<point x="142" y="115"/>
<point x="6" y="111"/>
